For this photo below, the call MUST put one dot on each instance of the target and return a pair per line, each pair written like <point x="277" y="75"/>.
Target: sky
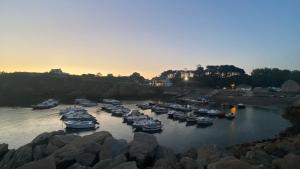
<point x="147" y="36"/>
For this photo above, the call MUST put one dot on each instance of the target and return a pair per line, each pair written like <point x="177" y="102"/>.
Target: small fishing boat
<point x="144" y="106"/>
<point x="152" y="127"/>
<point x="182" y="117"/>
<point x="204" y="121"/>
<point x="132" y="119"/>
<point x="111" y="101"/>
<point x="171" y="113"/>
<point x="179" y="107"/>
<point x="118" y="113"/>
<point x="48" y="104"/>
<point x="241" y="106"/>
<point x="159" y="110"/>
<point x="80" y="124"/>
<point x="138" y="124"/>
<point x="213" y="112"/>
<point x="85" y="103"/>
<point x="191" y="118"/>
<point x="201" y="111"/>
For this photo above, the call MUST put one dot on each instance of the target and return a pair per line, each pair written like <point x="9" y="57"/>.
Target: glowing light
<point x="186" y="78"/>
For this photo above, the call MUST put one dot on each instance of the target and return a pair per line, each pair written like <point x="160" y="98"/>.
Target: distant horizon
<point x="116" y="75"/>
<point x="122" y="37"/>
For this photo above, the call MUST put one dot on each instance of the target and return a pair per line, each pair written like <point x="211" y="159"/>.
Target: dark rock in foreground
<point x="58" y="150"/>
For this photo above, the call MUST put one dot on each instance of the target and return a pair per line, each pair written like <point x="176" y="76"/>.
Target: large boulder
<point x="44" y="137"/>
<point x="110" y="163"/>
<point x="39" y="152"/>
<point x="163" y="164"/>
<point x="61" y="140"/>
<point x="66" y="156"/>
<point x="79" y="147"/>
<point x="7" y="160"/>
<point x="112" y="147"/>
<point x="92" y="147"/>
<point x="290" y="161"/>
<point x="191" y="153"/>
<point x="23" y="155"/>
<point x="3" y="150"/>
<point x="189" y="163"/>
<point x="126" y="165"/>
<point x="46" y="163"/>
<point x="142" y="148"/>
<point x="86" y="159"/>
<point x="98" y="137"/>
<point x="258" y="157"/>
<point x="166" y="153"/>
<point x="210" y="153"/>
<point x="41" y="139"/>
<point x="229" y="163"/>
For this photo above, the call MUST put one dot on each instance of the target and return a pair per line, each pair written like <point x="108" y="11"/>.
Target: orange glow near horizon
<point x="75" y="71"/>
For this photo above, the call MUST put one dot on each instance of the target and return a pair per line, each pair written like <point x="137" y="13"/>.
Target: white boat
<point x="178" y="115"/>
<point x="80" y="124"/>
<point x="111" y="101"/>
<point x="118" y="113"/>
<point x="241" y="106"/>
<point x="179" y="107"/>
<point x="213" y="112"/>
<point x="152" y="127"/>
<point x="191" y="118"/>
<point x="138" y="124"/>
<point x="159" y="110"/>
<point x="50" y="103"/>
<point x="76" y="114"/>
<point x="204" y="121"/>
<point x="144" y="106"/>
<point x="134" y="118"/>
<point x="71" y="109"/>
<point x="85" y="103"/>
<point x="171" y="113"/>
<point x="131" y="113"/>
<point x="201" y="111"/>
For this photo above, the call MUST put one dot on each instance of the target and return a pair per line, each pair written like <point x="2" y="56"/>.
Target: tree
<point x="99" y="74"/>
<point x="137" y="77"/>
<point x="199" y="71"/>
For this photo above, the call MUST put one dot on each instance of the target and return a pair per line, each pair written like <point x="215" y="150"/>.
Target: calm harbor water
<point x="19" y="126"/>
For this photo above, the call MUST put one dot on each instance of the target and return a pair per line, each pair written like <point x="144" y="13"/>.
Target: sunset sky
<point x="147" y="36"/>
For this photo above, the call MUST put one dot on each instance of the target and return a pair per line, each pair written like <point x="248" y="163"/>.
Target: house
<point x="159" y="82"/>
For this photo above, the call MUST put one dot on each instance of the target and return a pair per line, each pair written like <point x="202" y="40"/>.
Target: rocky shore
<point x="59" y="150"/>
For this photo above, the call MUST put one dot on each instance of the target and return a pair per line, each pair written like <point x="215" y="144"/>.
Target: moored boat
<point x="80" y="124"/>
<point x="85" y="103"/>
<point x="171" y="113"/>
<point x="191" y="118"/>
<point x="111" y="101"/>
<point x="241" y="106"/>
<point x="152" y="127"/>
<point x="48" y="104"/>
<point x="213" y="112"/>
<point x="204" y="121"/>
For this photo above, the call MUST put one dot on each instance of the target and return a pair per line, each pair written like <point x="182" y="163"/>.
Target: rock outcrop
<point x="100" y="150"/>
